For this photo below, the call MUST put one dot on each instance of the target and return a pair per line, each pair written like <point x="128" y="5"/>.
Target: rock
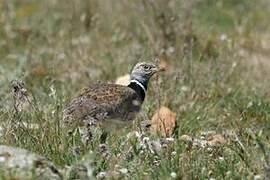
<point x="17" y="163"/>
<point x="186" y="138"/>
<point x="78" y="172"/>
<point x="163" y="122"/>
<point x="209" y="139"/>
<point x="217" y="140"/>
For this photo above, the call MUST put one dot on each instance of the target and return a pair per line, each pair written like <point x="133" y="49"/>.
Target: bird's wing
<point x="113" y="93"/>
<point x="100" y="100"/>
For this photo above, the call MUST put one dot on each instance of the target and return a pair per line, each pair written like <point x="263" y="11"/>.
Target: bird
<point x="104" y="103"/>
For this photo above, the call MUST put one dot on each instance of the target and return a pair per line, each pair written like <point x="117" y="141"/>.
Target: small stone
<point x="217" y="140"/>
<point x="186" y="138"/>
<point x="163" y="122"/>
<point x="156" y="146"/>
<point x="23" y="163"/>
<point x="79" y="172"/>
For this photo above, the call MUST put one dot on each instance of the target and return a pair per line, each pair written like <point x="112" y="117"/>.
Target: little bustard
<point x="102" y="103"/>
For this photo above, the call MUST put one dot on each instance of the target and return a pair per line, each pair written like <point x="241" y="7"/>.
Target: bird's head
<point x="143" y="71"/>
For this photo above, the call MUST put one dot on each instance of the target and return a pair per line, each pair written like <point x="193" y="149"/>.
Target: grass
<point x="215" y="82"/>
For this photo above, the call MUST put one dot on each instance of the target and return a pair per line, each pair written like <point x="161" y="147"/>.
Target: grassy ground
<point x="218" y="79"/>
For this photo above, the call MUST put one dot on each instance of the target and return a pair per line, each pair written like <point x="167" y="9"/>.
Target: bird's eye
<point x="146" y="67"/>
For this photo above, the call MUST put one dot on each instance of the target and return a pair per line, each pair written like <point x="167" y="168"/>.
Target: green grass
<point x="59" y="47"/>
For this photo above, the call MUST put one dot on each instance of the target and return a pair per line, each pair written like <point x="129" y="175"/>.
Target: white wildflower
<point x="145" y="139"/>
<point x="173" y="175"/>
<point x="184" y="88"/>
<point x="228" y="173"/>
<point x="101" y="175"/>
<point x="61" y="56"/>
<point x="2" y="159"/>
<point x="170" y="139"/>
<point x="53" y="92"/>
<point x="250" y="104"/>
<point x="224" y="37"/>
<point x="134" y="133"/>
<point x="203" y="169"/>
<point x="137" y="134"/>
<point x="30" y="125"/>
<point x="221" y="158"/>
<point x="171" y="50"/>
<point x="83" y="17"/>
<point x="1" y="131"/>
<point x="258" y="177"/>
<point x="123" y="170"/>
<point x="142" y="145"/>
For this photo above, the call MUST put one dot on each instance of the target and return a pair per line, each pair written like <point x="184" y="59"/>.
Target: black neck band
<point x="138" y="89"/>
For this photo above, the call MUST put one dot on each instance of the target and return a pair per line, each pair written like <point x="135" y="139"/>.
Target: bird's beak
<point x="156" y="69"/>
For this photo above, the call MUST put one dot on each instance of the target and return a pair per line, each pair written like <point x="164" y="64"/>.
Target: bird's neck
<point x="139" y="88"/>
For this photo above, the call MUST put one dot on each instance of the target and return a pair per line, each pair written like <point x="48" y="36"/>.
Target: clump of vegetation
<point x="216" y="79"/>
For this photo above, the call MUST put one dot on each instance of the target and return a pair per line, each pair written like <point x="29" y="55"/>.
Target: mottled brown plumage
<point x="100" y="102"/>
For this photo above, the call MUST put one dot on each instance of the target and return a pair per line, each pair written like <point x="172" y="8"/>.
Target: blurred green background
<point x="218" y="58"/>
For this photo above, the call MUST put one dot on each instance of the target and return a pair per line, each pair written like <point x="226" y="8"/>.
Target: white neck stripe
<point x="140" y="84"/>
